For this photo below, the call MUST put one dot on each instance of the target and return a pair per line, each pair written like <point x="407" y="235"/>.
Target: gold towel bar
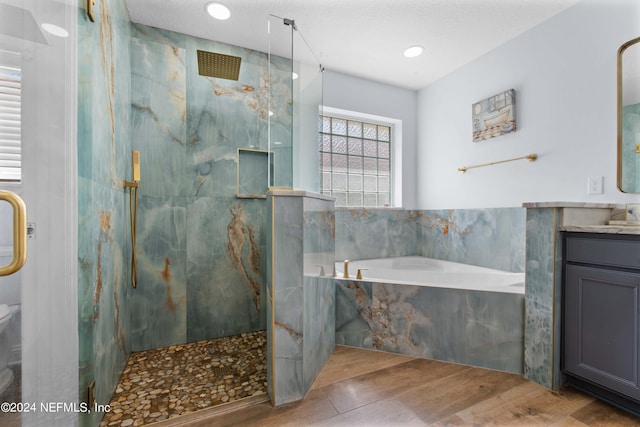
<point x="530" y="157"/>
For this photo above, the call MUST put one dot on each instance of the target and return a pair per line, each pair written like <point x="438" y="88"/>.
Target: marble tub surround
<point x="301" y="310"/>
<point x="492" y="237"/>
<point x="376" y="315"/>
<point x="364" y="233"/>
<point x="545" y="221"/>
<point x="478" y="328"/>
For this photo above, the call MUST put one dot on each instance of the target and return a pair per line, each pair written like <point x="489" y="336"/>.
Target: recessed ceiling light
<point x="55" y="30"/>
<point x="413" y="51"/>
<point x="218" y="11"/>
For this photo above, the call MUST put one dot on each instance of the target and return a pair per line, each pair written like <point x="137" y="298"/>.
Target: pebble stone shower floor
<point x="172" y="381"/>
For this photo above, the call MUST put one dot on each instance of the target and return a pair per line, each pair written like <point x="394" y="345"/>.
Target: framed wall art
<point x="494" y="116"/>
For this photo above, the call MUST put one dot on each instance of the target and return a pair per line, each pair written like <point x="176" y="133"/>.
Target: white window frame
<point x="396" y="147"/>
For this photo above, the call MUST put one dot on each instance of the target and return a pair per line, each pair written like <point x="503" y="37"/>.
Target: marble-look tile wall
<point x="104" y="292"/>
<point x="462" y="326"/>
<point x="543" y="284"/>
<point x="365" y="233"/>
<point x="493" y="238"/>
<point x="301" y="327"/>
<point x="319" y="290"/>
<point x="200" y="249"/>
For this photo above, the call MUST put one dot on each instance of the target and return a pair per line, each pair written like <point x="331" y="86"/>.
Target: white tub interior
<point x="422" y="271"/>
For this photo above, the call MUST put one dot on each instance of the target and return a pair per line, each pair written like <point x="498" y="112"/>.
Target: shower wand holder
<point x="130" y="184"/>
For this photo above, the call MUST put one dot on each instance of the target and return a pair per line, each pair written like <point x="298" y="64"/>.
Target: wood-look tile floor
<point x="368" y="388"/>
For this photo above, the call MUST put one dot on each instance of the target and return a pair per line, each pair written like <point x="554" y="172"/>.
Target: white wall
<point x="365" y="96"/>
<point x="564" y="74"/>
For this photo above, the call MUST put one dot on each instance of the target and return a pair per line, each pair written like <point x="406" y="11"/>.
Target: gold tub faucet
<point x="346" y="268"/>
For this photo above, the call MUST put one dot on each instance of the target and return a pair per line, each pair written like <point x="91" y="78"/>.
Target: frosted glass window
<point x="325" y="160"/>
<point x="370" y="199"/>
<point x="326" y="180"/>
<point x="340" y="144"/>
<point x="339" y="181"/>
<point x="355" y="159"/>
<point x="383" y="184"/>
<point x="339" y="126"/>
<point x="355" y="199"/>
<point x="355" y="165"/>
<point x="355" y="147"/>
<point x="370" y="148"/>
<point x="341" y="198"/>
<point x="339" y="163"/>
<point x="383" y="150"/>
<point x="355" y="183"/>
<point x="370" y="131"/>
<point x="383" y="167"/>
<point x="326" y="125"/>
<point x="326" y="143"/>
<point x="370" y="183"/>
<point x="355" y="128"/>
<point x="370" y="165"/>
<point x="384" y="133"/>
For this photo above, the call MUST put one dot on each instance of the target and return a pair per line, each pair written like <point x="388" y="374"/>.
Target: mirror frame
<point x="620" y="52"/>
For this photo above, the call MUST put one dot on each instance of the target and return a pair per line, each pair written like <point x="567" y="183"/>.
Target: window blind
<point x="10" y="140"/>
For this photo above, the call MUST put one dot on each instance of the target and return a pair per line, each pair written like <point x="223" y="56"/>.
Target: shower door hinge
<point x="290" y="22"/>
<point x="90" y="5"/>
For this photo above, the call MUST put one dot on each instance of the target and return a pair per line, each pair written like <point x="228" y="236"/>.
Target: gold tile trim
<point x="271" y="339"/>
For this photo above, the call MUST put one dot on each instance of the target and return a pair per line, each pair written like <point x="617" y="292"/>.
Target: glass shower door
<point x="295" y="104"/>
<point x="38" y="305"/>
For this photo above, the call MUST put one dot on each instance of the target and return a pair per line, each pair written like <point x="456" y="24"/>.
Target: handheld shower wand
<point x="133" y="210"/>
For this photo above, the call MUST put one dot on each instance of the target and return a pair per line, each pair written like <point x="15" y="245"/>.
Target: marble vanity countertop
<point x="589" y="205"/>
<point x="606" y="229"/>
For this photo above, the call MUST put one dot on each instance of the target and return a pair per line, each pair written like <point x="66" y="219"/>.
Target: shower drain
<point x="222" y="371"/>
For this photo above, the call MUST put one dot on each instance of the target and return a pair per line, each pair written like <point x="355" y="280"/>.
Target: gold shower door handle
<point x="19" y="233"/>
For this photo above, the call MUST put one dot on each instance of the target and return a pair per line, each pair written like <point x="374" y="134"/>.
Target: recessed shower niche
<point x="255" y="170"/>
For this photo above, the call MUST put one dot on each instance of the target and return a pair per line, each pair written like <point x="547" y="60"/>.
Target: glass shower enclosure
<point x="295" y="104"/>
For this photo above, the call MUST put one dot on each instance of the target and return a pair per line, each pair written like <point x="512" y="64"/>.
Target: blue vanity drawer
<point x="624" y="253"/>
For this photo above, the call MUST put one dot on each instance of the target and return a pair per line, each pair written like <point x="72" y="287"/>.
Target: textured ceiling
<point x="364" y="38"/>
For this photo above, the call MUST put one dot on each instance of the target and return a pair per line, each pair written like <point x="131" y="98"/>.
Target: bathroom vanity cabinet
<point x="601" y="316"/>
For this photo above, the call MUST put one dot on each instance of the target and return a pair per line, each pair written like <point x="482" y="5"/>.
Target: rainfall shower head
<point x="211" y="64"/>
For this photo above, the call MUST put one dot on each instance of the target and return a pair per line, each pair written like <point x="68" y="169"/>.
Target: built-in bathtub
<point x="433" y="309"/>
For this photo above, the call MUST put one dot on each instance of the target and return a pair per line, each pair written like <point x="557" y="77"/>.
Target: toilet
<point x="6" y="375"/>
